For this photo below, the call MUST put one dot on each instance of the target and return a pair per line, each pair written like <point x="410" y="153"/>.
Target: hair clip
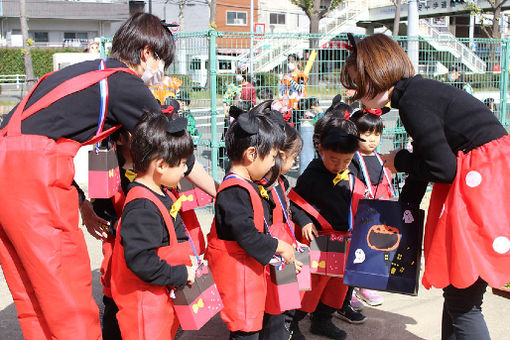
<point x="347" y="114"/>
<point x="352" y="43"/>
<point x="277" y="117"/>
<point x="169" y="110"/>
<point x="235" y="111"/>
<point x="176" y="125"/>
<point x="165" y="24"/>
<point x="248" y="123"/>
<point x="377" y="112"/>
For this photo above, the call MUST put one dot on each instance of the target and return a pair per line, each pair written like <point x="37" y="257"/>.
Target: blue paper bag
<point x="385" y="249"/>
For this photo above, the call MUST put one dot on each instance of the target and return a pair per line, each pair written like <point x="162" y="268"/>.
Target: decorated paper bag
<point x="385" y="249"/>
<point x="318" y="254"/>
<point x="282" y="288"/>
<point x="104" y="175"/>
<point x="336" y="255"/>
<point x="195" y="305"/>
<point x="304" y="279"/>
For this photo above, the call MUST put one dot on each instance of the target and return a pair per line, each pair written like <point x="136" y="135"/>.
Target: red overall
<point x="42" y="250"/>
<point x="239" y="277"/>
<point x="330" y="290"/>
<point x="146" y="310"/>
<point x="108" y="243"/>
<point x="467" y="233"/>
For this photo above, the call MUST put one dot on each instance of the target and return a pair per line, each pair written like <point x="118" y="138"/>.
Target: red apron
<point x="108" y="243"/>
<point x="467" y="234"/>
<point x="239" y="277"/>
<point x="330" y="290"/>
<point x="382" y="190"/>
<point x="42" y="250"/>
<point x="146" y="310"/>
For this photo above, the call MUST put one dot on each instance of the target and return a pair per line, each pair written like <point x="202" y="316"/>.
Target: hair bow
<point x="352" y="43"/>
<point x="277" y="117"/>
<point x="248" y="123"/>
<point x="377" y="112"/>
<point x="165" y="24"/>
<point x="176" y="125"/>
<point x="347" y="114"/>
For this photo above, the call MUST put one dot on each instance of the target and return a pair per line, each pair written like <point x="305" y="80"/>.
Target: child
<point x="152" y="251"/>
<point x="276" y="324"/>
<point x="239" y="247"/>
<point x="368" y="167"/>
<point x="326" y="192"/>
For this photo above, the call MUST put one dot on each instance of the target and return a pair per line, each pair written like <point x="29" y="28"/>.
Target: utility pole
<point x="27" y="44"/>
<point x="412" y="33"/>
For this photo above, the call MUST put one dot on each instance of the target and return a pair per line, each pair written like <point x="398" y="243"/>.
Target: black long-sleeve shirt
<point x="442" y="120"/>
<point x="373" y="167"/>
<point x="142" y="232"/>
<point x="234" y="222"/>
<point x="76" y="115"/>
<point x="315" y="185"/>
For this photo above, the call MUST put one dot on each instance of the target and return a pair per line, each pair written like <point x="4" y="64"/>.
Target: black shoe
<point x="295" y="332"/>
<point x="328" y="329"/>
<point x="348" y="314"/>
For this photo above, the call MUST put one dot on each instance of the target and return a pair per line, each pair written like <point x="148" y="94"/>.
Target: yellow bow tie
<point x="198" y="305"/>
<point x="263" y="192"/>
<point x="341" y="176"/>
<point x="130" y="174"/>
<point x="320" y="264"/>
<point x="177" y="204"/>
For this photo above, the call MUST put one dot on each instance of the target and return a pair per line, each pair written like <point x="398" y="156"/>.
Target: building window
<point x="276" y="19"/>
<point x="75" y="35"/>
<point x="237" y="18"/>
<point x="40" y="36"/>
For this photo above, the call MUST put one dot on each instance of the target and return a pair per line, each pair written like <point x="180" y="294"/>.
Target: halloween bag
<point x="283" y="287"/>
<point x="385" y="249"/>
<point x="198" y="198"/>
<point x="328" y="254"/>
<point x="104" y="174"/>
<point x="195" y="305"/>
<point x="304" y="278"/>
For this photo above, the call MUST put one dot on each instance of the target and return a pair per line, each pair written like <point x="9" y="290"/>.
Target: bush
<point x="12" y="61"/>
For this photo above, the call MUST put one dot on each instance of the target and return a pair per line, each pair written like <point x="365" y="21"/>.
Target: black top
<point x="442" y="120"/>
<point x="373" y="167"/>
<point x="76" y="115"/>
<point x="143" y="231"/>
<point x="315" y="185"/>
<point x="234" y="222"/>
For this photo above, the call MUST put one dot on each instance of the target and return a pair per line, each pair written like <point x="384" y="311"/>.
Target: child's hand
<point x="308" y="231"/>
<point x="96" y="226"/>
<point x="191" y="275"/>
<point x="299" y="266"/>
<point x="286" y="251"/>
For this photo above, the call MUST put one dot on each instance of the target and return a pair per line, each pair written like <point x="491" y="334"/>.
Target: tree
<point x="212" y="13"/>
<point x="315" y="12"/>
<point x="396" y="21"/>
<point x="27" y="44"/>
<point x="495" y="10"/>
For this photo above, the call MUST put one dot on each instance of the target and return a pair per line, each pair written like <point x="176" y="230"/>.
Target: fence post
<point x="212" y="33"/>
<point x="102" y="47"/>
<point x="503" y="90"/>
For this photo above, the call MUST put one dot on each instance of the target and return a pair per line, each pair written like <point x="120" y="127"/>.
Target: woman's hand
<point x="308" y="231"/>
<point x="389" y="160"/>
<point x="95" y="225"/>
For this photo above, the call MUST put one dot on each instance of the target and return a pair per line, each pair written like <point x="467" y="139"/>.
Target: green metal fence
<point x="206" y="62"/>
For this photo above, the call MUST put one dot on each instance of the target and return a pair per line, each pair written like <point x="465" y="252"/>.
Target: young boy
<point x="325" y="188"/>
<point x="152" y="251"/>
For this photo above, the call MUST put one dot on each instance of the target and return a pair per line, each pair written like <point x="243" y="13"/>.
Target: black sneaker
<point x="295" y="334"/>
<point x="348" y="314"/>
<point x="328" y="329"/>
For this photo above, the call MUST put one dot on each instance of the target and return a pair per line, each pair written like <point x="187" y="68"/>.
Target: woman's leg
<point x="462" y="314"/>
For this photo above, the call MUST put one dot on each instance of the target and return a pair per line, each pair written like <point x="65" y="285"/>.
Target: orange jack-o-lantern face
<point x="383" y="237"/>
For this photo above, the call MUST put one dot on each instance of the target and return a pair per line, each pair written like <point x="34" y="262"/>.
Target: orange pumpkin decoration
<point x="383" y="238"/>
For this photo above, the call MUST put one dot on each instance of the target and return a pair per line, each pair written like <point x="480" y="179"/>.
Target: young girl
<point x="459" y="145"/>
<point x="239" y="246"/>
<point x="281" y="227"/>
<point x="367" y="165"/>
<point x="152" y="251"/>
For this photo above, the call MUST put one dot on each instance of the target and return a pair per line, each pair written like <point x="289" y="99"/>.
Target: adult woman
<point x="461" y="147"/>
<point x="42" y="250"/>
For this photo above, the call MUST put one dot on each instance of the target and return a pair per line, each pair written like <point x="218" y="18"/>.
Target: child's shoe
<point x="295" y="332"/>
<point x="356" y="304"/>
<point x="326" y="328"/>
<point x="348" y="314"/>
<point x="370" y="297"/>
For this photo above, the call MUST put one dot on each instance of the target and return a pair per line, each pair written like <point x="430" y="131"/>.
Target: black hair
<point x="140" y="30"/>
<point x="344" y="145"/>
<point x="150" y="140"/>
<point x="337" y="110"/>
<point x="367" y="122"/>
<point x="269" y="135"/>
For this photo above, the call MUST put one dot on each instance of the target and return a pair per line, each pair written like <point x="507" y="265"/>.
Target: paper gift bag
<point x="385" y="249"/>
<point x="195" y="305"/>
<point x="104" y="175"/>
<point x="304" y="279"/>
<point x="282" y="288"/>
<point x="200" y="199"/>
<point x="318" y="254"/>
<point x="336" y="255"/>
